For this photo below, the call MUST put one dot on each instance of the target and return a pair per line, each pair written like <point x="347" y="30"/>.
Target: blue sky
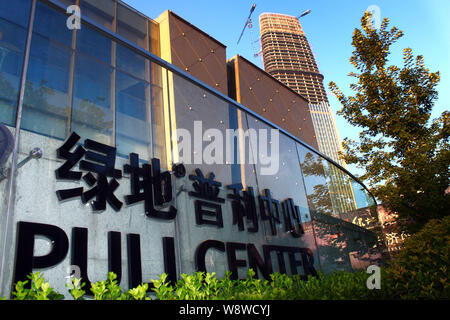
<point x="329" y="28"/>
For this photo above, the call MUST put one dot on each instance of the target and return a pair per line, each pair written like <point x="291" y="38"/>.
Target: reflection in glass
<point x="341" y="190"/>
<point x="130" y="61"/>
<point x="132" y="26"/>
<point x="342" y="245"/>
<point x="52" y="24"/>
<point x="16" y="11"/>
<point x="94" y="44"/>
<point x="46" y="101"/>
<point x="158" y="124"/>
<point x="13" y="23"/>
<point x="132" y="116"/>
<point x="92" y="117"/>
<point x="12" y="46"/>
<point x="315" y="176"/>
<point x="362" y="197"/>
<point x="332" y="244"/>
<point x="101" y="11"/>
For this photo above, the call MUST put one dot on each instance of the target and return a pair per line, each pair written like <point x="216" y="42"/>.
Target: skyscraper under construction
<point x="288" y="57"/>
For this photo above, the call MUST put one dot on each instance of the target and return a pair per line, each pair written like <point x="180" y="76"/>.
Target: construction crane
<point x="304" y="14"/>
<point x="248" y="23"/>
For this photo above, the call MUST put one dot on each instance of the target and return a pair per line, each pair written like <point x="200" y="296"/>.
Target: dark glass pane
<point x="47" y="102"/>
<point x="132" y="26"/>
<point x="101" y="11"/>
<point x="92" y="116"/>
<point x="55" y="58"/>
<point x="130" y="61"/>
<point x="17" y="11"/>
<point x="12" y="47"/>
<point x="52" y="24"/>
<point x="94" y="44"/>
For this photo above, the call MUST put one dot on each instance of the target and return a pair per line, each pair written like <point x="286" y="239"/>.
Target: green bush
<point x="338" y="285"/>
<point x="40" y="290"/>
<point x="421" y="268"/>
<point x="206" y="286"/>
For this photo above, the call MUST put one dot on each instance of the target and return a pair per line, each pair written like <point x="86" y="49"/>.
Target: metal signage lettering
<point x="152" y="187"/>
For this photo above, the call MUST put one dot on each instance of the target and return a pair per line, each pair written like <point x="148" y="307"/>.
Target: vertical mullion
<point x="168" y="122"/>
<point x="72" y="77"/>
<point x="113" y="77"/>
<point x="149" y="106"/>
<point x="148" y="94"/>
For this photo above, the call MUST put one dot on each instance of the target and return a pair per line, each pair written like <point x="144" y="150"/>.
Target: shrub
<point x="40" y="290"/>
<point x="421" y="268"/>
<point x="206" y="286"/>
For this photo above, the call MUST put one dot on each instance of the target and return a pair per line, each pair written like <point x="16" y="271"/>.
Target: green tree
<point x="404" y="153"/>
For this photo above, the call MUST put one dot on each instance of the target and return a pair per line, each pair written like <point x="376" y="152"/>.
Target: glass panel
<point x="341" y="190"/>
<point x="47" y="103"/>
<point x="12" y="47"/>
<point x="154" y="38"/>
<point x="342" y="211"/>
<point x="362" y="197"/>
<point x="94" y="44"/>
<point x="206" y="119"/>
<point x="17" y="11"/>
<point x="132" y="26"/>
<point x="159" y="136"/>
<point x="278" y="172"/>
<point x="201" y="120"/>
<point x="133" y="116"/>
<point x="199" y="114"/>
<point x="332" y="238"/>
<point x="52" y="24"/>
<point x="131" y="62"/>
<point x="315" y="175"/>
<point x="343" y="245"/>
<point x="92" y="116"/>
<point x="101" y="11"/>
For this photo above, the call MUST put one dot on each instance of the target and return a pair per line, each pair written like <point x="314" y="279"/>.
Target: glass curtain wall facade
<point x="107" y="86"/>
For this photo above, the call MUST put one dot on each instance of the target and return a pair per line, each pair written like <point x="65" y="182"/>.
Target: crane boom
<point x="247" y="22"/>
<point x="304" y="14"/>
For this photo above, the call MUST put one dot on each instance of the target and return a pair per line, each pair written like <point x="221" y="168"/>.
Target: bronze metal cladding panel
<point x="198" y="54"/>
<point x="274" y="101"/>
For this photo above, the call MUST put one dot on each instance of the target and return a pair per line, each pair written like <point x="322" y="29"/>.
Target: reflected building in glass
<point x="127" y="83"/>
<point x="288" y="57"/>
